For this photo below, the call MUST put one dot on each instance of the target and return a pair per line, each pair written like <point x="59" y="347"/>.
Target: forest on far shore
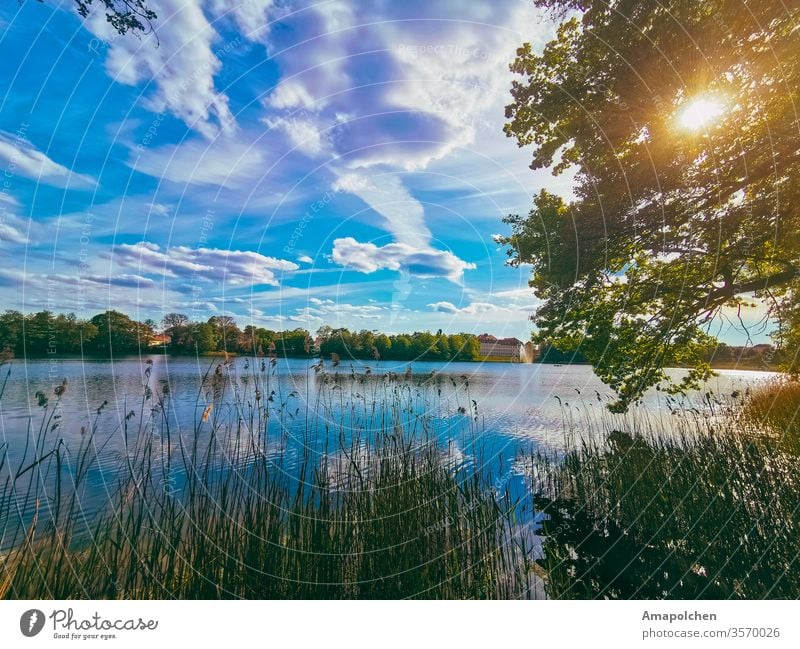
<point x="47" y="334"/>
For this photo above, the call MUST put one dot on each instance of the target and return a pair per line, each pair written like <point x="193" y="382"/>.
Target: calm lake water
<point x="513" y="407"/>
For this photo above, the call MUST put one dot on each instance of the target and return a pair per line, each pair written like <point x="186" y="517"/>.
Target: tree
<point x="383" y="344"/>
<point x="442" y="348"/>
<point x="118" y="334"/>
<point x="679" y="121"/>
<point x="465" y="347"/>
<point x="72" y="334"/>
<point x="228" y="333"/>
<point x="365" y="342"/>
<point x="39" y="333"/>
<point x="172" y="320"/>
<point x="123" y="15"/>
<point x="401" y="347"/>
<point x="472" y="347"/>
<point x="176" y="326"/>
<point x="293" y="343"/>
<point x="339" y="341"/>
<point x="11" y="327"/>
<point x="204" y="338"/>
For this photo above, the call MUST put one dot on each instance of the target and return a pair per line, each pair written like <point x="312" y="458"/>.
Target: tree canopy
<point x="679" y="120"/>
<point x="123" y="15"/>
<point x="115" y="334"/>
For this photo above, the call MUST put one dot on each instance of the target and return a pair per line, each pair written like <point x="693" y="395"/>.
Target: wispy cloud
<point x="304" y="135"/>
<point x="402" y="214"/>
<point x="232" y="267"/>
<point x="225" y="162"/>
<point x="471" y="309"/>
<point x="13" y="230"/>
<point x="323" y="311"/>
<point x="179" y="58"/>
<point x="251" y="16"/>
<point x="19" y="156"/>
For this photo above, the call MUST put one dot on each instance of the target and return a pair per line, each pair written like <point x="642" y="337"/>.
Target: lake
<point x="506" y="408"/>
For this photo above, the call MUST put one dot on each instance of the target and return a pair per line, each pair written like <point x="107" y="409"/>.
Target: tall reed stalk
<point x="379" y="509"/>
<point x="709" y="511"/>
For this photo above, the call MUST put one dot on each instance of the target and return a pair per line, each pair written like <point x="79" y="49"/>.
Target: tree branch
<point x="754" y="285"/>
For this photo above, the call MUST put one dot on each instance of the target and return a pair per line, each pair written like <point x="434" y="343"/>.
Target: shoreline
<point x="732" y="365"/>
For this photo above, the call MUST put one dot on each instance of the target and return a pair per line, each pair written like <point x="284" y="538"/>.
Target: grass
<point x="775" y="406"/>
<point x="227" y="512"/>
<point x="711" y="511"/>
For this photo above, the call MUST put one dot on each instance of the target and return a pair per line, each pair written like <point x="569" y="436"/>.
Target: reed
<point x="383" y="511"/>
<point x="775" y="405"/>
<point x="711" y="511"/>
<point x="365" y="485"/>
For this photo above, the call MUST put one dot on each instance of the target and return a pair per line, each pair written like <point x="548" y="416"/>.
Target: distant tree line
<point x="221" y="333"/>
<point x="548" y="353"/>
<point x="720" y="355"/>
<point x="420" y="345"/>
<point x="47" y="334"/>
<point x="758" y="357"/>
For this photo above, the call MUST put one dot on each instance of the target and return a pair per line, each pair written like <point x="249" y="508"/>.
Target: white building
<point x="511" y="348"/>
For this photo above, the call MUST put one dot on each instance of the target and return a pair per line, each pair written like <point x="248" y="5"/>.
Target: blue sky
<point x="290" y="164"/>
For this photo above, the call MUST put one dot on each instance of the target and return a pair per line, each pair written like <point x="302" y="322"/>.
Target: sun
<point x="700" y="112"/>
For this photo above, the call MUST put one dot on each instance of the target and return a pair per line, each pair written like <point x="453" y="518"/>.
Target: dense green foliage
<point x="47" y="334"/>
<point x="118" y="334"/>
<point x="717" y="355"/>
<point x="113" y="333"/>
<point x="41" y="333"/>
<point x="550" y="354"/>
<point x="673" y="219"/>
<point x="710" y="513"/>
<point x="420" y="345"/>
<point x="221" y="333"/>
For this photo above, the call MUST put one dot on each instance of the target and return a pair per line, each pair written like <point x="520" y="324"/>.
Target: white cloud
<point x="123" y="280"/>
<point x="158" y="209"/>
<point x="19" y="156"/>
<point x="336" y="312"/>
<point x="304" y="135"/>
<point x="291" y="94"/>
<point x="179" y="58"/>
<point x="252" y="16"/>
<point x="472" y="309"/>
<point x="421" y="262"/>
<point x="224" y="162"/>
<point x="64" y="291"/>
<point x="13" y="229"/>
<point x="337" y="14"/>
<point x="233" y="267"/>
<point x="516" y="294"/>
<point x="305" y="259"/>
<point x="385" y="193"/>
<point x="322" y="312"/>
<point x="149" y="258"/>
<point x="8" y="199"/>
